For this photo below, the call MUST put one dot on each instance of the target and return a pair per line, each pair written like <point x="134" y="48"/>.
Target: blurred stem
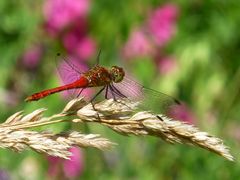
<point x="230" y="97"/>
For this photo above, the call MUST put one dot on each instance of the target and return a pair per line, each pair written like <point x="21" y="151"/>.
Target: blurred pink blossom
<point x="69" y="75"/>
<point x="54" y="165"/>
<point x="74" y="34"/>
<point x="32" y="57"/>
<point x="86" y="48"/>
<point x="161" y="27"/>
<point x="137" y="45"/>
<point x="61" y="13"/>
<point x="83" y="47"/>
<point x="167" y="65"/>
<point x="162" y="23"/>
<point x="74" y="166"/>
<point x="78" y="43"/>
<point x="71" y="168"/>
<point x="183" y="113"/>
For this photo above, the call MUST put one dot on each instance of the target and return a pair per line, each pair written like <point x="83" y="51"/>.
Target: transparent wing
<point x="69" y="70"/>
<point x="151" y="100"/>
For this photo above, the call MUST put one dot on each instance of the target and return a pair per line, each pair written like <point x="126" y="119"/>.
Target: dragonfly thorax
<point x="117" y="74"/>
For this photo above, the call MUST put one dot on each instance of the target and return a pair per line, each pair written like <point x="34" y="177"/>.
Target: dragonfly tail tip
<point x="29" y="98"/>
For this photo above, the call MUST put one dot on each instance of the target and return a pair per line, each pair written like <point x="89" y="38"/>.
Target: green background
<point x="206" y="47"/>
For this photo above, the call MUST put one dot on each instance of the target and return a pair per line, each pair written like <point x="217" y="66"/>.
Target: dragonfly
<point x="116" y="84"/>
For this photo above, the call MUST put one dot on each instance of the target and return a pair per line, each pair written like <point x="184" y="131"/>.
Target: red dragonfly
<point x="116" y="85"/>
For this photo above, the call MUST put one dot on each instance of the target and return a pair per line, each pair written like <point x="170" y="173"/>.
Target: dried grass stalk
<point x="121" y="116"/>
<point x="13" y="134"/>
<point x="51" y="144"/>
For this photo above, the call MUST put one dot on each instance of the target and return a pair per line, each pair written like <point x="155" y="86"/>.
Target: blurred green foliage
<point x="206" y="48"/>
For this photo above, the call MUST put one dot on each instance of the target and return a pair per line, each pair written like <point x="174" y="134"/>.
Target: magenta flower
<point x="162" y="23"/>
<point x="71" y="168"/>
<point x="137" y="45"/>
<point x="32" y="57"/>
<point x="160" y="28"/>
<point x="74" y="166"/>
<point x="72" y="37"/>
<point x="86" y="48"/>
<point x="54" y="165"/>
<point x="61" y="13"/>
<point x="78" y="43"/>
<point x="167" y="65"/>
<point x="83" y="47"/>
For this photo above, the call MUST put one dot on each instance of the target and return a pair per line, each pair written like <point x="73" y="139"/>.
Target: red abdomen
<point x="80" y="83"/>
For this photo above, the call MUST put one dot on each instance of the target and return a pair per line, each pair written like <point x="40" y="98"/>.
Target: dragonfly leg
<point x="97" y="94"/>
<point x="159" y="118"/>
<point x="80" y="92"/>
<point x="94" y="99"/>
<point x="106" y="93"/>
<point x="112" y="92"/>
<point x="118" y="92"/>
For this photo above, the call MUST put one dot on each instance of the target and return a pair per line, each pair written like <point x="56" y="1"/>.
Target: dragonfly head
<point x="117" y="74"/>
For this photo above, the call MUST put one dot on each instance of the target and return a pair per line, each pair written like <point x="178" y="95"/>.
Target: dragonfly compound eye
<point x="117" y="74"/>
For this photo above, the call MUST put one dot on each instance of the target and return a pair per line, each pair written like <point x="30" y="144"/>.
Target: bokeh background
<point x="188" y="49"/>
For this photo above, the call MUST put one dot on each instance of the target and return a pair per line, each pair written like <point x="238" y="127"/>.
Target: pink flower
<point x="167" y="65"/>
<point x="32" y="57"/>
<point x="61" y="13"/>
<point x="86" y="48"/>
<point x="83" y="47"/>
<point x="137" y="45"/>
<point x="162" y="23"/>
<point x="69" y="75"/>
<point x="71" y="168"/>
<point x="74" y="166"/>
<point x="72" y="37"/>
<point x="78" y="43"/>
<point x="54" y="165"/>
